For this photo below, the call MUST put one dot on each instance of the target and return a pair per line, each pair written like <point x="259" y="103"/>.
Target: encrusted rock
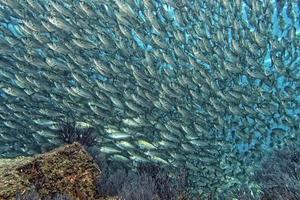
<point x="68" y="169"/>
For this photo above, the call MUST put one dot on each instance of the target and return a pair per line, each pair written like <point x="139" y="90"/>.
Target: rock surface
<point x="68" y="169"/>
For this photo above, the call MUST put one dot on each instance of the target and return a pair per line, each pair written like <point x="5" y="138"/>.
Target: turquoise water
<point x="205" y="85"/>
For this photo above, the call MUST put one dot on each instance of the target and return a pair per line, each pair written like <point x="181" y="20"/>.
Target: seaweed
<point x="29" y="195"/>
<point x="277" y="177"/>
<point x="243" y="192"/>
<point x="111" y="185"/>
<point x="148" y="168"/>
<point x="163" y="185"/>
<point x="279" y="174"/>
<point x="69" y="133"/>
<point x="138" y="187"/>
<point x="99" y="158"/>
<point x="148" y="182"/>
<point x="34" y="195"/>
<point x="60" y="197"/>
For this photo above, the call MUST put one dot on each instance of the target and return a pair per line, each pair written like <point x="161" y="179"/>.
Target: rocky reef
<point x="68" y="169"/>
<point x="73" y="172"/>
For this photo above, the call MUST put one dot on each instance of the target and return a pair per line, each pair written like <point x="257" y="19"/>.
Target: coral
<point x="10" y="181"/>
<point x="181" y="184"/>
<point x="148" y="168"/>
<point x="69" y="133"/>
<point x="34" y="195"/>
<point x="244" y="192"/>
<point x="111" y="184"/>
<point x="148" y="182"/>
<point x="165" y="186"/>
<point x="29" y="195"/>
<point x="68" y="169"/>
<point x="99" y="158"/>
<point x="279" y="175"/>
<point x="138" y="187"/>
<point x="60" y="197"/>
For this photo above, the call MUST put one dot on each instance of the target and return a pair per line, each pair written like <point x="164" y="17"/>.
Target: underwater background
<point x="210" y="86"/>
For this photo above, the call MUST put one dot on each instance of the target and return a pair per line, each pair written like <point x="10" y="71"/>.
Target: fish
<point x="164" y="86"/>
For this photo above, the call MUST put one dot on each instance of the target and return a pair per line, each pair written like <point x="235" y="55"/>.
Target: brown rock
<point x="69" y="170"/>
